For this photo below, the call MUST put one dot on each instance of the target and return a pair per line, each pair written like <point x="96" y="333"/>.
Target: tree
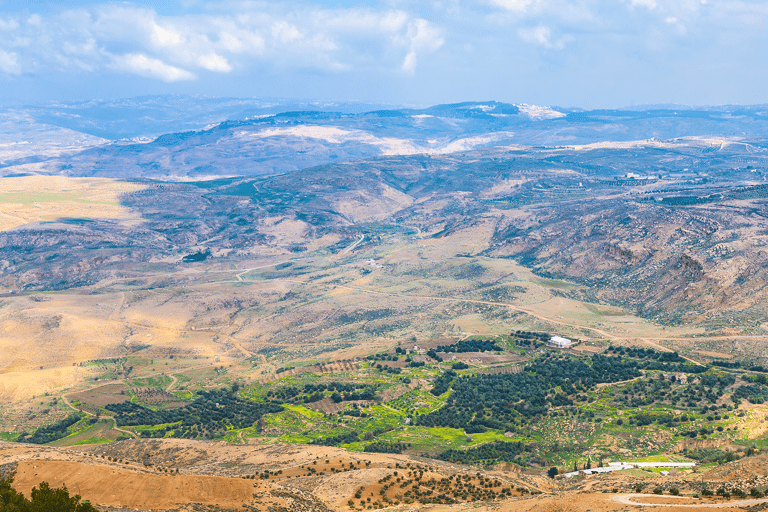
<point x="552" y="472"/>
<point x="44" y="499"/>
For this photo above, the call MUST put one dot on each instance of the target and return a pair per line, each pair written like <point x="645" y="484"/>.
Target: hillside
<point x="295" y="330"/>
<point x="671" y="230"/>
<point x="251" y="138"/>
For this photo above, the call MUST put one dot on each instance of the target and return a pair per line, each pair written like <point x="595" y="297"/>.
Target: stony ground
<point x="182" y="475"/>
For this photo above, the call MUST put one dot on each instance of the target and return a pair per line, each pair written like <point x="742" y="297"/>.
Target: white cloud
<point x="513" y="5"/>
<point x="542" y="36"/>
<point x="285" y="33"/>
<point x="8" y="24"/>
<point x="166" y="36"/>
<point x="213" y="62"/>
<point x="409" y="63"/>
<point x="649" y="4"/>
<point x="136" y="39"/>
<point x="423" y="38"/>
<point x="149" y="67"/>
<point x="9" y="63"/>
<point x="361" y="48"/>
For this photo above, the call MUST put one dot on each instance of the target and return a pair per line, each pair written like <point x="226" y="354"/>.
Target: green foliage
<point x="529" y="339"/>
<point x="646" y="353"/>
<point x="208" y="416"/>
<point x="706" y="455"/>
<point x="495" y="401"/>
<point x="50" y="433"/>
<point x="385" y="447"/>
<point x="470" y="346"/>
<point x="313" y="392"/>
<point x="755" y="393"/>
<point x="443" y="382"/>
<point x="346" y="438"/>
<point x="433" y="354"/>
<point x="498" y="450"/>
<point x="43" y="499"/>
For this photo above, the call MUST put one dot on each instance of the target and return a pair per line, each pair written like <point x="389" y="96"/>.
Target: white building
<point x="559" y="342"/>
<point x="618" y="466"/>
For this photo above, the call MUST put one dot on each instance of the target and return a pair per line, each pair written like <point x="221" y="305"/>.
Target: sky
<point x="568" y="53"/>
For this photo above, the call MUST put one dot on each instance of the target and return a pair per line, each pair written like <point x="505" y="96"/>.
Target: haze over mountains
<point x="657" y="210"/>
<point x="177" y="137"/>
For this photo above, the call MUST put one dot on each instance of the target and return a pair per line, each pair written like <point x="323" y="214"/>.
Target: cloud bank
<point x="534" y="51"/>
<point x="134" y="39"/>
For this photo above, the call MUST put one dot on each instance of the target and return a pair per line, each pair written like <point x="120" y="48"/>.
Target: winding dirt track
<point x="626" y="499"/>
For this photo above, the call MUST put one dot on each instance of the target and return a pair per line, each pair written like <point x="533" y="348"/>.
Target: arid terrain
<point x="289" y="341"/>
<point x="178" y="475"/>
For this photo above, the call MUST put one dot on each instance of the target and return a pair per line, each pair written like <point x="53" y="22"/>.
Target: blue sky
<point x="571" y="53"/>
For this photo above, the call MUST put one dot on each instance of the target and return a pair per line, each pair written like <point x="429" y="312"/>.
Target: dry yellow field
<point x="47" y="198"/>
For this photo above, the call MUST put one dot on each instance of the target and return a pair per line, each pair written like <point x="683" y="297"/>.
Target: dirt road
<point x="628" y="499"/>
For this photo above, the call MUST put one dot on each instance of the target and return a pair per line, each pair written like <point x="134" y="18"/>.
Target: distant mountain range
<point x="180" y="137"/>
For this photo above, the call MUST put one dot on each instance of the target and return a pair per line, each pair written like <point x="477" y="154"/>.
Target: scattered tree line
<point x="345" y="438"/>
<point x="42" y="499"/>
<point x="209" y="416"/>
<point x="490" y="452"/>
<point x="530" y="338"/>
<point x="735" y="365"/>
<point x="433" y="354"/>
<point x="379" y="447"/>
<point x="342" y="391"/>
<point x="443" y="382"/>
<point x="646" y="353"/>
<point x="50" y="433"/>
<point x="754" y="393"/>
<point x="470" y="346"/>
<point x="499" y="401"/>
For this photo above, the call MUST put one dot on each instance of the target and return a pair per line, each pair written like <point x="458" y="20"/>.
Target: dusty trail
<point x="114" y="422"/>
<point x="118" y="307"/>
<point x="174" y="380"/>
<point x="626" y="499"/>
<point x="527" y="311"/>
<point x="358" y="242"/>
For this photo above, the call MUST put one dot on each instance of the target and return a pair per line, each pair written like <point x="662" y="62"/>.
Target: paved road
<point x="626" y="499"/>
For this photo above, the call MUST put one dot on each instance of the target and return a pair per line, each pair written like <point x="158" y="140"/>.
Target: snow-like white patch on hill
<point x="537" y="113"/>
<point x="470" y="143"/>
<point x="333" y="135"/>
<point x="387" y="145"/>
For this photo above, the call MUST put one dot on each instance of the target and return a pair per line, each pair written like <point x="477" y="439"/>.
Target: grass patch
<point x="8" y="436"/>
<point x="304" y="411"/>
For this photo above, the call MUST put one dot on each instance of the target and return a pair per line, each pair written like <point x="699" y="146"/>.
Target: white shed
<point x="557" y="341"/>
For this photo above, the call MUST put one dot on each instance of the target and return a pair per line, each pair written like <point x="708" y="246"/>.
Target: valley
<point x="307" y="340"/>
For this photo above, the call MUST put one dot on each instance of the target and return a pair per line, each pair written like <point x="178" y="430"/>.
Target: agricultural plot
<point x="415" y="401"/>
<point x="102" y="395"/>
<point x="559" y="408"/>
<point x="155" y="397"/>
